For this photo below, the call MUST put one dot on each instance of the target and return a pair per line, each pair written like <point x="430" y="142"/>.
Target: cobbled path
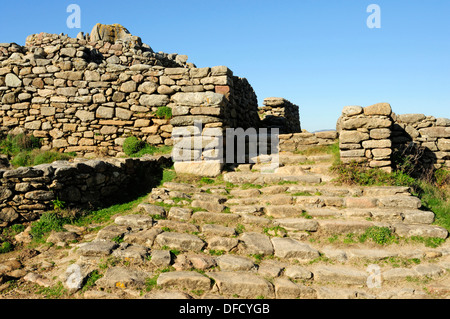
<point x="288" y="234"/>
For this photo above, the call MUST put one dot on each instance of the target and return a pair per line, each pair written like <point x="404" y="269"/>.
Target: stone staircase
<point x="288" y="234"/>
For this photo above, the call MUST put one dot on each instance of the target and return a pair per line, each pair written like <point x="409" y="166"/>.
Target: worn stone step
<point x="182" y="187"/>
<point x="324" y="190"/>
<point x="352" y="191"/>
<point x="301" y="224"/>
<point x="297" y="159"/>
<point x="329" y="292"/>
<point x="419" y="271"/>
<point x="180" y="241"/>
<point x="261" y="179"/>
<point x="289" y="158"/>
<point x="242" y="284"/>
<point x="294" y="169"/>
<point x="392" y="215"/>
<point x="287" y="289"/>
<point x="210" y="206"/>
<point x="251" y="209"/>
<point x="336" y="226"/>
<point x="284" y="211"/>
<point x="212" y="217"/>
<point x="410" y="230"/>
<point x="190" y="280"/>
<point x="256" y="244"/>
<point x="340" y="275"/>
<point x="363" y="251"/>
<point x="292" y="249"/>
<point x="119" y="277"/>
<point x="235" y="263"/>
<point x="399" y="203"/>
<point x="97" y="248"/>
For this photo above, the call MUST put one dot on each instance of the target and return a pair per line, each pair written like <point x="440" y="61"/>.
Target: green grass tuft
<point x="164" y="112"/>
<point x="135" y="147"/>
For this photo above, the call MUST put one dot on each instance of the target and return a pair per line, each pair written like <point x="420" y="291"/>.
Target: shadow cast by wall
<point x="410" y="156"/>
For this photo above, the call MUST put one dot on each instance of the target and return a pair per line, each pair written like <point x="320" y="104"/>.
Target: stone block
<point x="199" y="99"/>
<point x="377" y="144"/>
<point x="444" y="144"/>
<point x="435" y="132"/>
<point x="154" y="100"/>
<point x="410" y="118"/>
<point x="353" y="137"/>
<point x="352" y="110"/>
<point x="378" y="109"/>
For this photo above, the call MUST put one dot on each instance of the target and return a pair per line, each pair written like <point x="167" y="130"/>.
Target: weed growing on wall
<point x="164" y="112"/>
<point x="24" y="150"/>
<point x="134" y="147"/>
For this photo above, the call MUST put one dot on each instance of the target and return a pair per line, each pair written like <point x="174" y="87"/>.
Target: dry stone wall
<point x="372" y="134"/>
<point x="300" y="141"/>
<point x="280" y="113"/>
<point x="27" y="192"/>
<point x="87" y="97"/>
<point x="364" y="135"/>
<point x="425" y="134"/>
<point x="87" y="94"/>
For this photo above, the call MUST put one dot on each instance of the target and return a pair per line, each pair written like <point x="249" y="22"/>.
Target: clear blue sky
<point x="318" y="54"/>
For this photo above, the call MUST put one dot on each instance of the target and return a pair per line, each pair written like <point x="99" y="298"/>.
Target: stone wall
<point x="300" y="141"/>
<point x="427" y="135"/>
<point x="87" y="97"/>
<point x="372" y="134"/>
<point x="364" y="135"/>
<point x="27" y="192"/>
<point x="280" y="113"/>
<point x="88" y="94"/>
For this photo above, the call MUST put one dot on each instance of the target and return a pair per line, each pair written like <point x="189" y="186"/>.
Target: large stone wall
<point x="364" y="135"/>
<point x="300" y="141"/>
<point x="87" y="97"/>
<point x="27" y="192"/>
<point x="372" y="134"/>
<point x="280" y="113"/>
<point x="87" y="94"/>
<point x="427" y="136"/>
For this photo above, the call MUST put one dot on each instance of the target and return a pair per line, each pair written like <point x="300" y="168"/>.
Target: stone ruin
<point x="88" y="94"/>
<point x="370" y="135"/>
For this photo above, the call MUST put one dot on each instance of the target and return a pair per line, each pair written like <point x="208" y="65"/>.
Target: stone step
<point x="323" y="207"/>
<point x="329" y="282"/>
<point x="327" y="190"/>
<point x="337" y="227"/>
<point x="177" y="189"/>
<point x="363" y="202"/>
<point x="304" y="200"/>
<point x="257" y="243"/>
<point x="286" y="159"/>
<point x="401" y="216"/>
<point x="240" y="276"/>
<point x="407" y="216"/>
<point x="291" y="169"/>
<point x="261" y="179"/>
<point x="351" y="276"/>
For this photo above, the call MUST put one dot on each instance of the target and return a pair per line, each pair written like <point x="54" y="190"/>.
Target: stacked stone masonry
<point x="280" y="113"/>
<point x="371" y="135"/>
<point x="27" y="192"/>
<point x="364" y="135"/>
<point x="300" y="141"/>
<point x="87" y="97"/>
<point x="428" y="133"/>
